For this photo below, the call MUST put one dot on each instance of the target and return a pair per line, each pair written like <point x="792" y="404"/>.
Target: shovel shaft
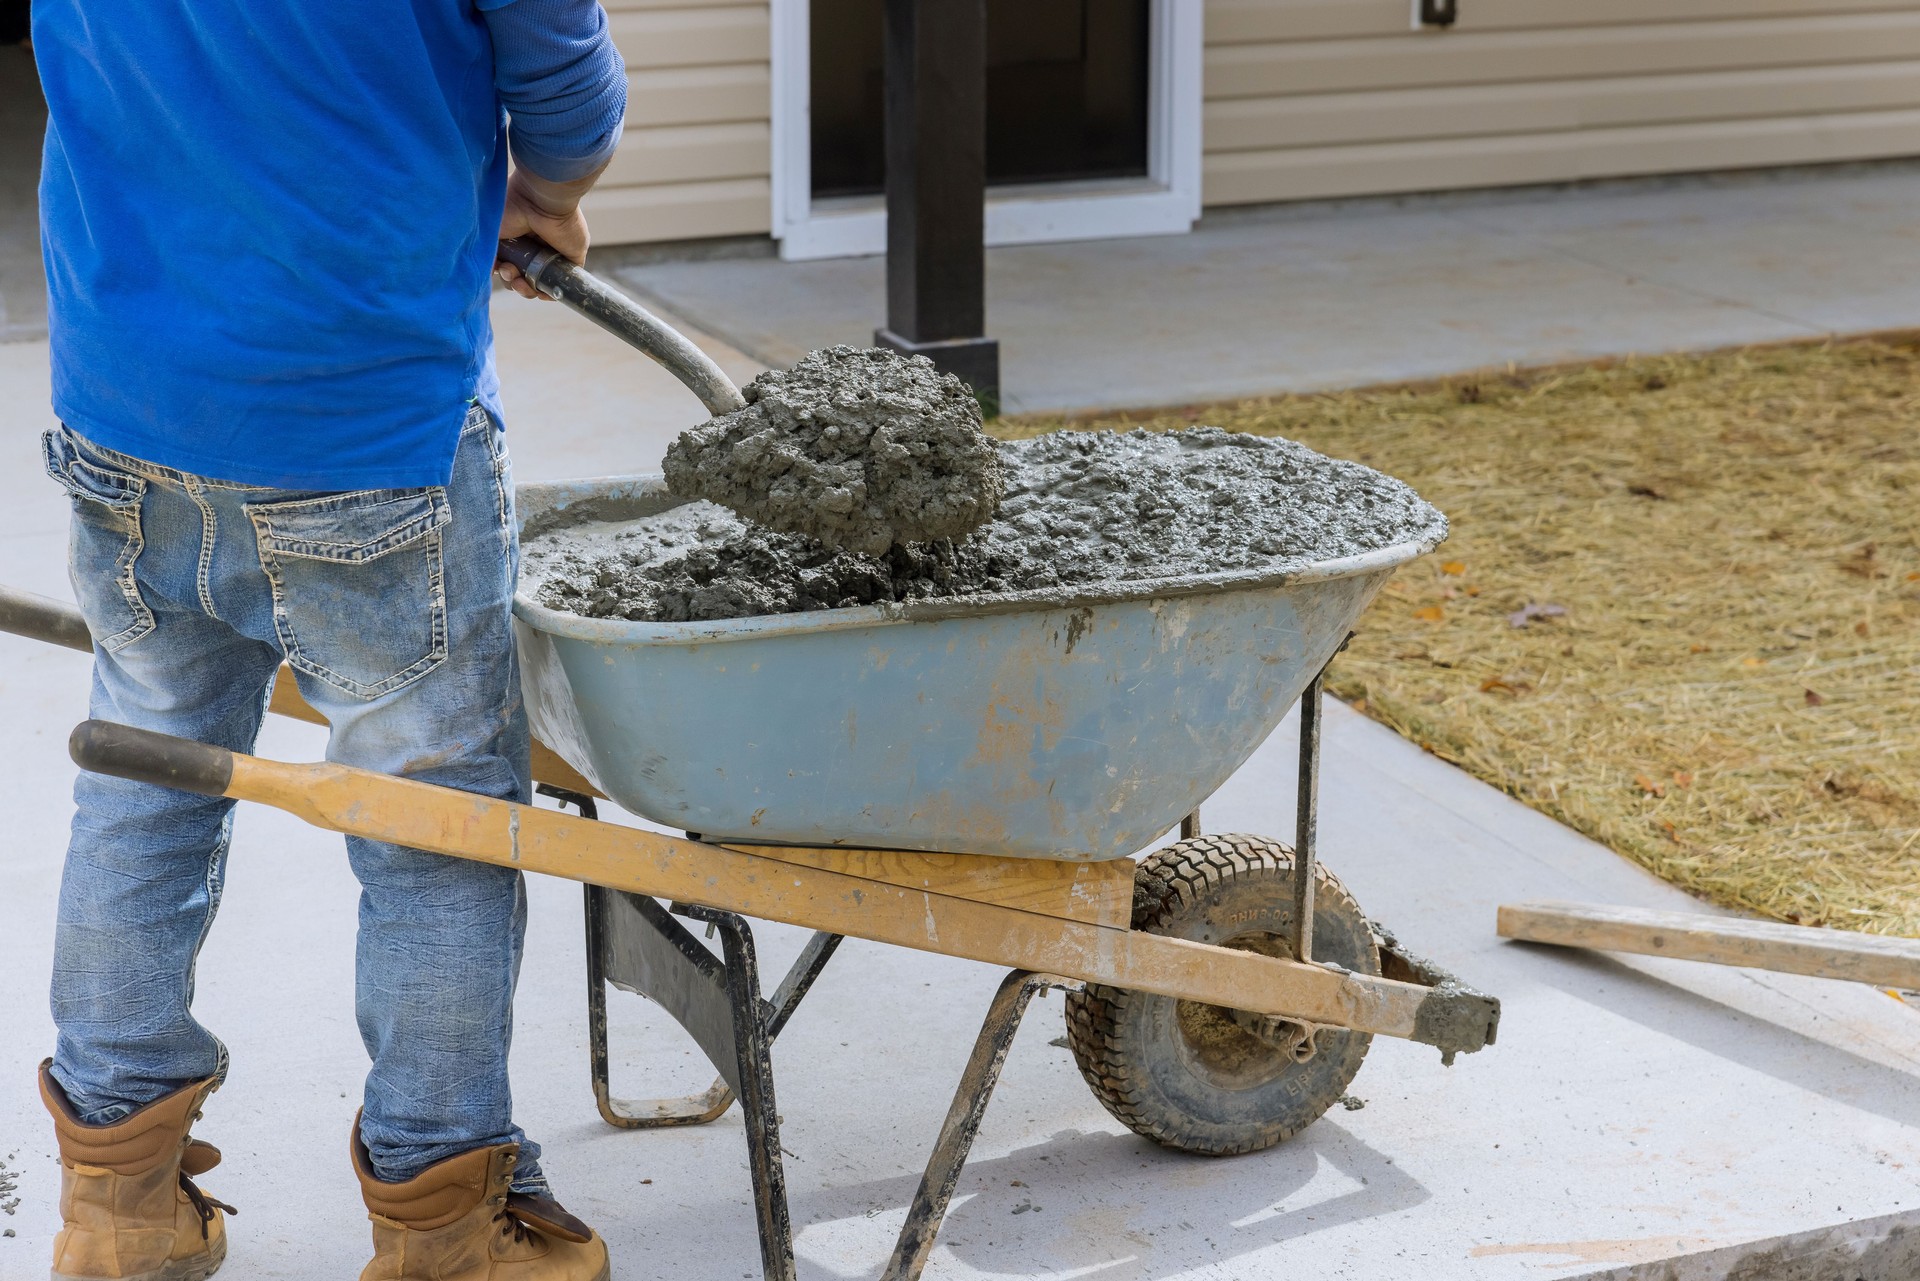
<point x="624" y="318"/>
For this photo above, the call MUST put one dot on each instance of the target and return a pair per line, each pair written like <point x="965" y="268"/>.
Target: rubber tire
<point x="1138" y="1052"/>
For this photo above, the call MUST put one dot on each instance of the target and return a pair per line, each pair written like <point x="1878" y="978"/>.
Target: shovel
<point x="559" y="278"/>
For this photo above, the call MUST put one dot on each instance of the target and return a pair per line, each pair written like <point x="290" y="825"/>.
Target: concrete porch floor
<point x="1639" y="1120"/>
<point x="1343" y="294"/>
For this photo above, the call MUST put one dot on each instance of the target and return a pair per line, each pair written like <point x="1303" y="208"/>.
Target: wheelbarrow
<point x="965" y="777"/>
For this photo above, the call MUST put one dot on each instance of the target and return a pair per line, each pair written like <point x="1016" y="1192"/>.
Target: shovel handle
<point x="42" y="618"/>
<point x="625" y="319"/>
<point x="146" y="757"/>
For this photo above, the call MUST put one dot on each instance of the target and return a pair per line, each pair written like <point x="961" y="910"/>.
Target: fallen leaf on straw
<point x="1813" y="699"/>
<point x="1430" y="614"/>
<point x="1864" y="563"/>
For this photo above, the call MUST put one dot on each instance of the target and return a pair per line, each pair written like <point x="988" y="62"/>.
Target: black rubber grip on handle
<point x="146" y="757"/>
<point x="530" y="254"/>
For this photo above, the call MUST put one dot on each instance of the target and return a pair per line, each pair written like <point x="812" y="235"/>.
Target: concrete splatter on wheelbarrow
<point x="1080" y="509"/>
<point x="860" y="449"/>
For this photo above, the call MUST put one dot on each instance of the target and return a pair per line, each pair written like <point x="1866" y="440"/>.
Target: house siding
<point x="695" y="158"/>
<point x="1319" y="98"/>
<point x="1308" y="99"/>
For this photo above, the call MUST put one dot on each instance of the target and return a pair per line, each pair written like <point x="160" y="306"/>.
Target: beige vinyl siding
<point x="1316" y="98"/>
<point x="1313" y="98"/>
<point x="695" y="157"/>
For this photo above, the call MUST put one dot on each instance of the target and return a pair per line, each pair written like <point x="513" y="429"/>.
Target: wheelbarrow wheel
<point x="1198" y="1077"/>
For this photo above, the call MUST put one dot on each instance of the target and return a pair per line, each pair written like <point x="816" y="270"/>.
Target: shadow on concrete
<point x="1160" y="1213"/>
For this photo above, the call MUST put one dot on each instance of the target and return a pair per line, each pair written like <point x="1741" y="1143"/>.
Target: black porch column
<point x="936" y="127"/>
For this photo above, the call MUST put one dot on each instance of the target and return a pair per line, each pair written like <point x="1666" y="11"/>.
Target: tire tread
<point x="1167" y="883"/>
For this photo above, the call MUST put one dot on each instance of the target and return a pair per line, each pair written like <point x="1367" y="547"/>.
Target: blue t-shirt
<point x="269" y="228"/>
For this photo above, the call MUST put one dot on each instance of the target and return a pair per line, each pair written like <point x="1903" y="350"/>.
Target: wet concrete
<point x="1081" y="509"/>
<point x="859" y="449"/>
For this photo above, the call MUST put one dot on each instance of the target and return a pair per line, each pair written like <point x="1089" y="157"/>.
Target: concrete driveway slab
<point x="1347" y="293"/>
<point x="1836" y="253"/>
<point x="1632" y="1111"/>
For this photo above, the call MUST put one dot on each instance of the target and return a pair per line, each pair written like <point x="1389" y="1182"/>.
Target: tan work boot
<point x="127" y="1199"/>
<point x="457" y="1221"/>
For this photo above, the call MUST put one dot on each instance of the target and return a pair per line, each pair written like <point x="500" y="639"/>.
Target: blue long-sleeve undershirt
<point x="562" y="80"/>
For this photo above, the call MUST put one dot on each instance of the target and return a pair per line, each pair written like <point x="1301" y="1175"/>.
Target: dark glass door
<point x="1066" y="92"/>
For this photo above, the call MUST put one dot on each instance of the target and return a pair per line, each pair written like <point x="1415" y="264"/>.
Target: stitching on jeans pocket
<point x="359" y="584"/>
<point x="353" y="528"/>
<point x="106" y="512"/>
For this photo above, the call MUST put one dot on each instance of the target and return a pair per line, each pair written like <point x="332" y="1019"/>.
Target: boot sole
<point x="198" y="1268"/>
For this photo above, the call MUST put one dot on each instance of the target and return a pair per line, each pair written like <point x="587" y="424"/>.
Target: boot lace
<point x="512" y="1230"/>
<point x="203" y="1205"/>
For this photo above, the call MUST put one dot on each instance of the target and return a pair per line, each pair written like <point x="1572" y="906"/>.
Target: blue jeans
<point x="393" y="609"/>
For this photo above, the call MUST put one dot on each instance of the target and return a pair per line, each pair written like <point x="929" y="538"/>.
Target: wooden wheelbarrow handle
<point x="637" y="861"/>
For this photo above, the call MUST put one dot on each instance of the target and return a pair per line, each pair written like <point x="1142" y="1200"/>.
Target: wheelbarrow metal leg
<point x="601" y="905"/>
<point x="717" y="1000"/>
<point x="753" y="1042"/>
<point x="969" y="1105"/>
<point x="1306" y="819"/>
<point x="639" y="1114"/>
<point x="634" y="944"/>
<point x="623" y="1114"/>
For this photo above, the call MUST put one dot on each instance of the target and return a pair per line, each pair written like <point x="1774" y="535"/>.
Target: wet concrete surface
<point x="861" y="449"/>
<point x="1084" y="513"/>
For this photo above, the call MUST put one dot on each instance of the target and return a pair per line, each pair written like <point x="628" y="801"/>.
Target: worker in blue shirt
<point x="270" y="233"/>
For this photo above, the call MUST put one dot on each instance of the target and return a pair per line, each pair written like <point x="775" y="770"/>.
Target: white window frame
<point x="1166" y="202"/>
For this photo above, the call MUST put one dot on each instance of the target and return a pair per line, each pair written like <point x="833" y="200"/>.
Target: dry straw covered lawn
<point x="1680" y="610"/>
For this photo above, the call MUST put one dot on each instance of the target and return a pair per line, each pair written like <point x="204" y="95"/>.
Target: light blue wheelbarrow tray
<point x="1068" y="724"/>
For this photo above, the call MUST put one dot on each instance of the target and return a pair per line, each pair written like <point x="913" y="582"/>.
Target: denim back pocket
<point x="359" y="585"/>
<point x="106" y="541"/>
